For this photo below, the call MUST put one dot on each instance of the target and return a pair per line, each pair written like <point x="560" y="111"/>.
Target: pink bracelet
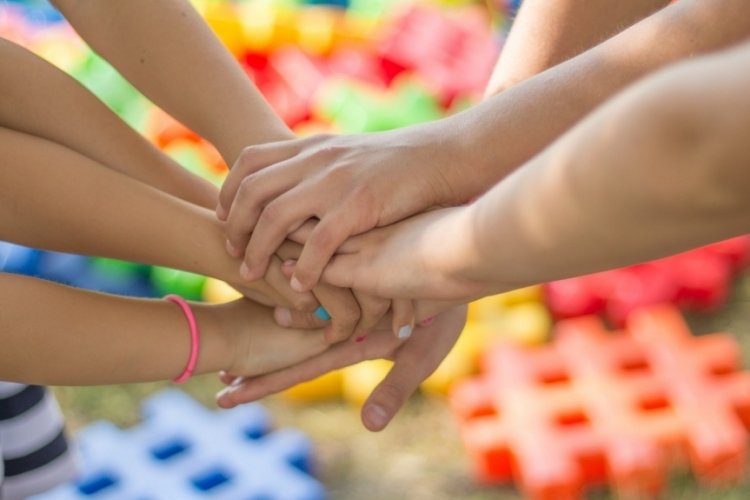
<point x="194" y="337"/>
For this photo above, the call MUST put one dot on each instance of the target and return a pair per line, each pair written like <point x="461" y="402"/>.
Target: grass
<point x="418" y="457"/>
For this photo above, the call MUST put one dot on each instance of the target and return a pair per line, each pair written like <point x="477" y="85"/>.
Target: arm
<point x="545" y="33"/>
<point x="54" y="198"/>
<point x="174" y="58"/>
<point x="660" y="169"/>
<point x="355" y="183"/>
<point x="82" y="339"/>
<point x="40" y="100"/>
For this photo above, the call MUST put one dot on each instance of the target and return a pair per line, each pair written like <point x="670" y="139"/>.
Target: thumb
<point x="390" y="395"/>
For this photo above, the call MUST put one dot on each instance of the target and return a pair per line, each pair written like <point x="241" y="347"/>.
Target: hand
<point x="423" y="257"/>
<point x="259" y="345"/>
<point x="414" y="360"/>
<point x="343" y="312"/>
<point x="349" y="302"/>
<point x="351" y="183"/>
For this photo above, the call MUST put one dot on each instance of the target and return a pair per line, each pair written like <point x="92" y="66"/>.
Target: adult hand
<point x="414" y="360"/>
<point x="426" y="257"/>
<point x="350" y="183"/>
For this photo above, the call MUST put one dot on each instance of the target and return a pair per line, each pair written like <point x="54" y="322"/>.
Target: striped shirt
<point x="34" y="454"/>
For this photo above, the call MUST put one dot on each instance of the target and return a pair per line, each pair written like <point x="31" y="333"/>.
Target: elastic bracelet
<point x="194" y="337"/>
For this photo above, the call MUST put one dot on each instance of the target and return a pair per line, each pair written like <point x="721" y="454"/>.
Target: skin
<point x="423" y="166"/>
<point x="658" y="170"/>
<point x="560" y="30"/>
<point x="152" y="344"/>
<point x="355" y="183"/>
<point x="169" y="44"/>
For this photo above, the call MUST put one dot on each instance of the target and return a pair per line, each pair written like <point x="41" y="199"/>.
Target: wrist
<point x="217" y="339"/>
<point x="460" y="265"/>
<point x="466" y="166"/>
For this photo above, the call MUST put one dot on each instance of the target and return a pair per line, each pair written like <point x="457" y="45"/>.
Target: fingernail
<point x="296" y="285"/>
<point x="404" y="332"/>
<point x="283" y="316"/>
<point x="221" y="212"/>
<point x="237" y="381"/>
<point x="245" y="271"/>
<point x="427" y="321"/>
<point x="360" y="339"/>
<point x="224" y="392"/>
<point x="376" y="415"/>
<point x="232" y="250"/>
<point x="322" y="314"/>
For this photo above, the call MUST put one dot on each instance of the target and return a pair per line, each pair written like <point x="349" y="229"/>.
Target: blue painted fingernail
<point x="321" y="313"/>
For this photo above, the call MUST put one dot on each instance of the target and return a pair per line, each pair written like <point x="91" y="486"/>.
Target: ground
<point x="419" y="457"/>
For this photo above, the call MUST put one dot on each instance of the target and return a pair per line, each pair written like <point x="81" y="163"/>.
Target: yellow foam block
<point x="218" y="292"/>
<point x="323" y="388"/>
<point x="225" y="21"/>
<point x="362" y="378"/>
<point x="528" y="324"/>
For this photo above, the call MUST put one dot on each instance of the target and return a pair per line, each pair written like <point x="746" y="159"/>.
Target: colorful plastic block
<point x="183" y="451"/>
<point x="600" y="406"/>
<point x="695" y="280"/>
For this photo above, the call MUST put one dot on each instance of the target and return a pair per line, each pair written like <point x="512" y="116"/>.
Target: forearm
<point x="41" y="100"/>
<point x="58" y="335"/>
<point x="172" y="56"/>
<point x="660" y="169"/>
<point x="54" y="198"/>
<point x="510" y="128"/>
<point x="546" y="33"/>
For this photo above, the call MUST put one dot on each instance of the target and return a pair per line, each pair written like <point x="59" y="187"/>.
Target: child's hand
<point x="261" y="346"/>
<point x="414" y="361"/>
<point x="351" y="183"/>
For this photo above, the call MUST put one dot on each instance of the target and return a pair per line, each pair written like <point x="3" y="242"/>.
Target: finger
<point x="255" y="192"/>
<point x="403" y="318"/>
<point x="373" y="310"/>
<point x="226" y="378"/>
<point x="330" y="233"/>
<point x="341" y="271"/>
<point x="251" y="160"/>
<point x="276" y="279"/>
<point x="289" y="250"/>
<point x="391" y="394"/>
<point x="303" y="233"/>
<point x="343" y="309"/>
<point x="278" y="218"/>
<point x="289" y="318"/>
<point x="379" y="344"/>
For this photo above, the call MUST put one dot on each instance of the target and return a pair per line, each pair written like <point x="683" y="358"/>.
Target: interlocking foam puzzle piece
<point x="183" y="451"/>
<point x="516" y="315"/>
<point x="459" y="58"/>
<point x="600" y="406"/>
<point x="696" y="280"/>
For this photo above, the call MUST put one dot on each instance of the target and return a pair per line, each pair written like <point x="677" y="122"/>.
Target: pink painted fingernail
<point x="360" y="339"/>
<point x="427" y="321"/>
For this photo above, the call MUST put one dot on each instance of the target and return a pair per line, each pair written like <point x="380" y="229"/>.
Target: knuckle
<point x="349" y="314"/>
<point x="272" y="212"/>
<point x="391" y="396"/>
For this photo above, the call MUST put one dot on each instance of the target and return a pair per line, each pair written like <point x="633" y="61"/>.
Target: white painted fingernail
<point x="404" y="332"/>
